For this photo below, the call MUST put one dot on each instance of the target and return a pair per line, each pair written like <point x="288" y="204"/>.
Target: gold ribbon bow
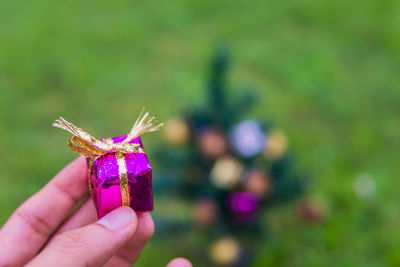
<point x="90" y="147"/>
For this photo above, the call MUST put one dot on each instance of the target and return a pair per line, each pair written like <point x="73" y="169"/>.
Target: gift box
<point x="119" y="172"/>
<point x="105" y="185"/>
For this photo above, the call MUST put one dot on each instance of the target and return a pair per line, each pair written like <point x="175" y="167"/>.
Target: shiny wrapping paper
<point x="105" y="181"/>
<point x="119" y="173"/>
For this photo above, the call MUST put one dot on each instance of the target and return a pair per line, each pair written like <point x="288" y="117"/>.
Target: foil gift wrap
<point x="119" y="172"/>
<point x="106" y="186"/>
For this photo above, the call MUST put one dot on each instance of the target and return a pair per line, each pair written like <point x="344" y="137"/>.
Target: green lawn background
<point x="326" y="72"/>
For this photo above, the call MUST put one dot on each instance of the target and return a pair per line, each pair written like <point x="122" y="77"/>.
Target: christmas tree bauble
<point x="364" y="186"/>
<point x="212" y="143"/>
<point x="176" y="131"/>
<point x="258" y="183"/>
<point x="247" y="138"/>
<point x="226" y="172"/>
<point x="312" y="211"/>
<point x="276" y="144"/>
<point x="205" y="213"/>
<point x="225" y="251"/>
<point x="243" y="206"/>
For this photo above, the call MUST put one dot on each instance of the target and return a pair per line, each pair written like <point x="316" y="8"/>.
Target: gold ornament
<point x="226" y="172"/>
<point x="276" y="144"/>
<point x="225" y="251"/>
<point x="176" y="131"/>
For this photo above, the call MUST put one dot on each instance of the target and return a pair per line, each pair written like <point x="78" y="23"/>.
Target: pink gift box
<point x="105" y="181"/>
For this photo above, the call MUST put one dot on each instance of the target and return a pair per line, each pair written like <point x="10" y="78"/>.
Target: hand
<point x="48" y="229"/>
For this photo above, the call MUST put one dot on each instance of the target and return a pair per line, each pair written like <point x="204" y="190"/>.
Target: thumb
<point x="180" y="262"/>
<point x="92" y="245"/>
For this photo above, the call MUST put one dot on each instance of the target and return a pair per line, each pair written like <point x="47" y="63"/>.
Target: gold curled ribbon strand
<point x="143" y="124"/>
<point x="90" y="147"/>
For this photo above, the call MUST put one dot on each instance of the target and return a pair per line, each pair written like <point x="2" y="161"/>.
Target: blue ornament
<point x="247" y="138"/>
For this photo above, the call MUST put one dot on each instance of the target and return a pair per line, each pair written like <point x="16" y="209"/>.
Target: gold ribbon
<point x="90" y="147"/>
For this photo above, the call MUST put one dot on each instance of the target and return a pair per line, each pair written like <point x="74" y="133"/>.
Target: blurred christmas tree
<point x="229" y="169"/>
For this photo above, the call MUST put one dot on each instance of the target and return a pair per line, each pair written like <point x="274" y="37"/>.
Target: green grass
<point x="326" y="71"/>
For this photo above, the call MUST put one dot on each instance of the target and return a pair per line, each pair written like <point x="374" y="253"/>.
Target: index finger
<point x="29" y="227"/>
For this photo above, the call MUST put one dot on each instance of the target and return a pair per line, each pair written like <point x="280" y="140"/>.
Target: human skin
<point x="54" y="228"/>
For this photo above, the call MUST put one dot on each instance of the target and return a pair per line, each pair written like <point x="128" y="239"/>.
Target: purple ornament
<point x="243" y="206"/>
<point x="105" y="181"/>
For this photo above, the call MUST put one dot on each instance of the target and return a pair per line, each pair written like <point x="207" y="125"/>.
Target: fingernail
<point x="117" y="219"/>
